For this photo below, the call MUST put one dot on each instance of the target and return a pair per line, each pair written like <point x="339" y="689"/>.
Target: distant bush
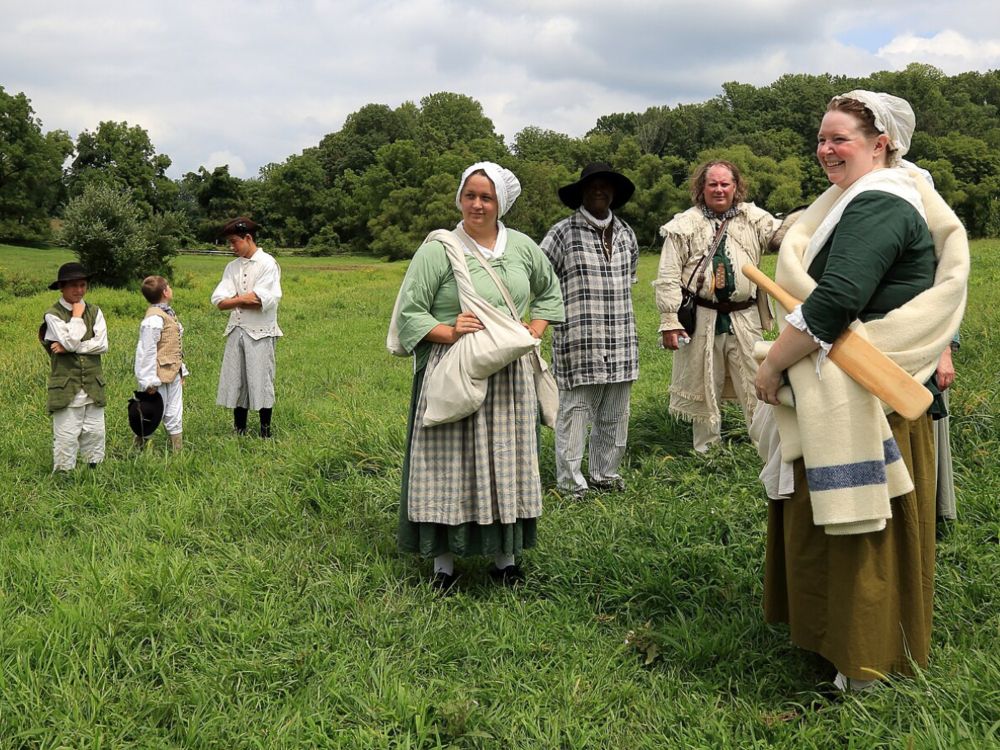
<point x="22" y="231"/>
<point x="106" y="230"/>
<point x="324" y="242"/>
<point x="18" y="285"/>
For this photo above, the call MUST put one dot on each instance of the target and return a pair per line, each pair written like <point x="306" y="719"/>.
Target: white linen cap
<point x="893" y="116"/>
<point x="504" y="182"/>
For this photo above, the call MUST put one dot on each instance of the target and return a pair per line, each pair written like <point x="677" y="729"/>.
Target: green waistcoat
<point x="70" y="372"/>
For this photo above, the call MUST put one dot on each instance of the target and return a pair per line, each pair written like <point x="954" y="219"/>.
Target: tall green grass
<point x="248" y="593"/>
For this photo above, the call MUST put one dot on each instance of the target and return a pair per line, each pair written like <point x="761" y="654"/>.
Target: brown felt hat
<point x="240" y="226"/>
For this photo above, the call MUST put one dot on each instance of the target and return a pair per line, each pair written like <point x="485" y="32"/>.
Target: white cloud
<point x="257" y="82"/>
<point x="948" y="50"/>
<point x="237" y="167"/>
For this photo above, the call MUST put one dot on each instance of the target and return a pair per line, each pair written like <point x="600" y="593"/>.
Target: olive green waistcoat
<point x="70" y="372"/>
<point x="168" y="348"/>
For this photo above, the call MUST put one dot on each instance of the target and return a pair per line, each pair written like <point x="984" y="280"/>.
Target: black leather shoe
<point x="512" y="575"/>
<point x="612" y="485"/>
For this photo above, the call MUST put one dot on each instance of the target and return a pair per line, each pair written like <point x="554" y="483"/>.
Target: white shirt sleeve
<point x="69" y="334"/>
<point x="145" y="352"/>
<point x="225" y="289"/>
<point x="267" y="287"/>
<point x="797" y="320"/>
<point x="99" y="343"/>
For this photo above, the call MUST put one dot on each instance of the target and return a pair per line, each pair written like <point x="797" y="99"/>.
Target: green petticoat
<point x="464" y="540"/>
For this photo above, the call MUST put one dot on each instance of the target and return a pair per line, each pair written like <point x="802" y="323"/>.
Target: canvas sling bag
<point x="456" y="386"/>
<point x="546" y="389"/>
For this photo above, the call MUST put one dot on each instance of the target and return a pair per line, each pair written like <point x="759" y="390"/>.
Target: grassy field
<point x="248" y="593"/>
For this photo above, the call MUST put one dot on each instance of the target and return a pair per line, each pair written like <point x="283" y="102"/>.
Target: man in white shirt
<point x="250" y="289"/>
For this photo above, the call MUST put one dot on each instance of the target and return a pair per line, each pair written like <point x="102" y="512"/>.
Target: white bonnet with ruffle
<point x="504" y="182"/>
<point x="893" y="116"/>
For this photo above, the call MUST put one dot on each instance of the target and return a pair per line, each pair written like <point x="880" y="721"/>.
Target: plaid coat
<point x="598" y="342"/>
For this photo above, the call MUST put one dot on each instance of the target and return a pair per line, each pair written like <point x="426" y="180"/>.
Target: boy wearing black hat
<point x="75" y="336"/>
<point x="595" y="353"/>
<point x="250" y="290"/>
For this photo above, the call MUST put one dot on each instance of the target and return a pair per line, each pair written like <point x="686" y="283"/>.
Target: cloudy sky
<point x="250" y="82"/>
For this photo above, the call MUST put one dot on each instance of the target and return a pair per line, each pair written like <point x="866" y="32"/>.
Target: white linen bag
<point x="456" y="387"/>
<point x="546" y="390"/>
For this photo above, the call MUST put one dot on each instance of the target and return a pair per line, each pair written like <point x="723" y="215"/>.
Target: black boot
<point x="240" y="420"/>
<point x="265" y="423"/>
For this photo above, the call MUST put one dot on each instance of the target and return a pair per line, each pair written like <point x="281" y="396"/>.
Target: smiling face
<point x="720" y="187"/>
<point x="597" y="196"/>
<point x="845" y="151"/>
<point x="73" y="291"/>
<point x="480" y="209"/>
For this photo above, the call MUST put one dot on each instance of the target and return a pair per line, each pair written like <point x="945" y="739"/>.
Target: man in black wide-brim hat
<point x="75" y="335"/>
<point x="595" y="353"/>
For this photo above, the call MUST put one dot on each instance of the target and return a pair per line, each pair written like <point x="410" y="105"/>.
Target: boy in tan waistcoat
<point x="159" y="356"/>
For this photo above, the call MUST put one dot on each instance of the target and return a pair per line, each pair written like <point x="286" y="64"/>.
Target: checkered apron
<point x="481" y="469"/>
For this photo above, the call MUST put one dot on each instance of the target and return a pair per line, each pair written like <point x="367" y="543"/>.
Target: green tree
<point x="409" y="213"/>
<point x="537" y="144"/>
<point x="30" y="169"/>
<point x="292" y="199"/>
<point x="208" y="199"/>
<point x="539" y="206"/>
<point x="123" y="156"/>
<point x="660" y="192"/>
<point x="364" y="132"/>
<point x="624" y="123"/>
<point x="448" y="120"/>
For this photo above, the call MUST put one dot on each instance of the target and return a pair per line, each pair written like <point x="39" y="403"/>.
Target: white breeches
<point x="77" y="429"/>
<point x="173" y="405"/>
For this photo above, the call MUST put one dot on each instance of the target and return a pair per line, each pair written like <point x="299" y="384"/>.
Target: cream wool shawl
<point x="853" y="465"/>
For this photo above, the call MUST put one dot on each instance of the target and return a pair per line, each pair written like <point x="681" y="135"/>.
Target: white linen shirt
<point x="69" y="335"/>
<point x="261" y="275"/>
<point x="150" y="331"/>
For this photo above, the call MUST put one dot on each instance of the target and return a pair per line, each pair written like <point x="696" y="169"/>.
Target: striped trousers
<point x="604" y="408"/>
<point x="246" y="379"/>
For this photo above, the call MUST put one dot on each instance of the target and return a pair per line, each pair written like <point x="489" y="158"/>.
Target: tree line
<point x="387" y="177"/>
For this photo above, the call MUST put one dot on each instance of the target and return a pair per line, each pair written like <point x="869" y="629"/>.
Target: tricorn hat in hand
<point x="145" y="411"/>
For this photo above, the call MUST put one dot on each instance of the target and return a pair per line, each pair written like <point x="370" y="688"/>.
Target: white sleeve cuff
<point x="797" y="320"/>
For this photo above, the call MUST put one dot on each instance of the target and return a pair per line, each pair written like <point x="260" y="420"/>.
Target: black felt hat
<point x="145" y="411"/>
<point x="69" y="272"/>
<point x="572" y="195"/>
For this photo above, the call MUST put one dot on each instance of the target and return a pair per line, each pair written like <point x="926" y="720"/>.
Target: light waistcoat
<point x="168" y="348"/>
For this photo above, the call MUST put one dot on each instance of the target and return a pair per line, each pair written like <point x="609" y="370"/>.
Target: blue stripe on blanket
<point x="860" y="474"/>
<point x="891" y="449"/>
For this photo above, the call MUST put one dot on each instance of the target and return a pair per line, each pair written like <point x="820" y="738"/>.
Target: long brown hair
<point x="699" y="176"/>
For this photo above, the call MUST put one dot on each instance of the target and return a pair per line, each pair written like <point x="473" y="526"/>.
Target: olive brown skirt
<point x="865" y="601"/>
